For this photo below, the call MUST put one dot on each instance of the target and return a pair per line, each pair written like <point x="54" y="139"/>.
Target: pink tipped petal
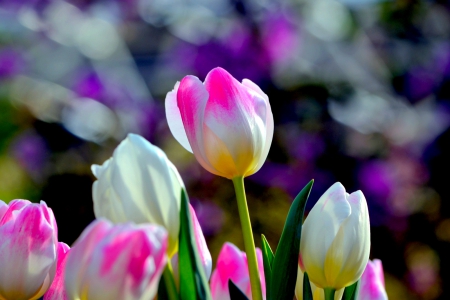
<point x="192" y="98"/>
<point x="3" y="209"/>
<point x="372" y="282"/>
<point x="57" y="290"/>
<point x="205" y="255"/>
<point x="174" y="118"/>
<point x="232" y="265"/>
<point x="28" y="250"/>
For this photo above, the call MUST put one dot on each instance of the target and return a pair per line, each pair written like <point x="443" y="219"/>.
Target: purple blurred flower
<point x="11" y="62"/>
<point x="209" y="215"/>
<point x="376" y="179"/>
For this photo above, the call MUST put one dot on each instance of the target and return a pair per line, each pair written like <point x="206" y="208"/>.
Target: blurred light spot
<point x="64" y="21"/>
<point x="328" y="19"/>
<point x="44" y="99"/>
<point x="89" y="120"/>
<point x="97" y="39"/>
<point x="194" y="24"/>
<point x="29" y="18"/>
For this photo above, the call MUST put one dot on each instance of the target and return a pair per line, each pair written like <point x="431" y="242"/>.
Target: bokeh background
<point x="360" y="91"/>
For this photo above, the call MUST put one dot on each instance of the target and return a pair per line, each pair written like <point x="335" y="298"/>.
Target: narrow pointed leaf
<point x="167" y="289"/>
<point x="285" y="262"/>
<point x="267" y="259"/>
<point x="307" y="292"/>
<point x="235" y="292"/>
<point x="193" y="282"/>
<point x="351" y="292"/>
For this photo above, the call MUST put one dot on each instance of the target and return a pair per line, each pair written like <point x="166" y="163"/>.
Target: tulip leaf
<point x="193" y="282"/>
<point x="267" y="259"/>
<point x="307" y="292"/>
<point x="235" y="292"/>
<point x="351" y="292"/>
<point x="285" y="262"/>
<point x="167" y="289"/>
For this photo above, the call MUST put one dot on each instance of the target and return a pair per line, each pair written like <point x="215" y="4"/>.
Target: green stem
<point x="329" y="293"/>
<point x="249" y="243"/>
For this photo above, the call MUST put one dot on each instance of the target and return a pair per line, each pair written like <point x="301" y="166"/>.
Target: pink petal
<point x="3" y="209"/>
<point x="174" y="118"/>
<point x="205" y="255"/>
<point x="372" y="282"/>
<point x="57" y="290"/>
<point x="191" y="99"/>
<point x="232" y="265"/>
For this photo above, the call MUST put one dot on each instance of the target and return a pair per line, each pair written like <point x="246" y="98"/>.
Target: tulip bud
<point x="335" y="242"/>
<point x="28" y="249"/>
<point x="57" y="290"/>
<point x="228" y="125"/>
<point x="139" y="184"/>
<point x="232" y="265"/>
<point x="122" y="262"/>
<point x="318" y="293"/>
<point x="371" y="286"/>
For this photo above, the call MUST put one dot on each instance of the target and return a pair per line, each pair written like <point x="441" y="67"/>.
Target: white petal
<point x="174" y="118"/>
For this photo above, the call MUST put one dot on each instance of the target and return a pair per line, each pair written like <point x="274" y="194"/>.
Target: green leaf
<point x="307" y="292"/>
<point x="267" y="259"/>
<point x="235" y="292"/>
<point x="167" y="289"/>
<point x="285" y="262"/>
<point x="193" y="282"/>
<point x="351" y="291"/>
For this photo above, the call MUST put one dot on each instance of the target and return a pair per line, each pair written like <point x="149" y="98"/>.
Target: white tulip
<point x="138" y="183"/>
<point x="335" y="242"/>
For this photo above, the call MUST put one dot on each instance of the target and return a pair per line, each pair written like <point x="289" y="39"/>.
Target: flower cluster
<point x="147" y="241"/>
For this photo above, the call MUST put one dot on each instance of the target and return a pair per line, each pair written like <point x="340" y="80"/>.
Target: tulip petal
<point x="268" y="122"/>
<point x="205" y="255"/>
<point x="57" y="290"/>
<point x="174" y="118"/>
<point x="192" y="98"/>
<point x="3" y="209"/>
<point x="349" y="252"/>
<point x="372" y="282"/>
<point x="324" y="221"/>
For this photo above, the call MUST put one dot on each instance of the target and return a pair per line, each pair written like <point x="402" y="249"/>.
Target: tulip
<point x="28" y="249"/>
<point x="57" y="290"/>
<point x="122" y="262"/>
<point x="228" y="125"/>
<point x="335" y="244"/>
<point x="138" y="183"/>
<point x="371" y="286"/>
<point x="232" y="265"/>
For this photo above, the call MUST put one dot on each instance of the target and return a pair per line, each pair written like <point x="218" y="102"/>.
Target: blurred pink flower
<point x="28" y="249"/>
<point x="57" y="290"/>
<point x="123" y="261"/>
<point x="232" y="265"/>
<point x="372" y="282"/>
<point x="228" y="125"/>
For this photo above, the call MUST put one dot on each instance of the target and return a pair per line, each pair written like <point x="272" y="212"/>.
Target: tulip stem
<point x="249" y="243"/>
<point x="169" y="282"/>
<point x="329" y="293"/>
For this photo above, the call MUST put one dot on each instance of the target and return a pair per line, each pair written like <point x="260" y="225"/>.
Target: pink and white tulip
<point x="335" y="242"/>
<point x="122" y="262"/>
<point x="28" y="249"/>
<point x="232" y="265"/>
<point x="371" y="286"/>
<point x="228" y="125"/>
<point x="57" y="290"/>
